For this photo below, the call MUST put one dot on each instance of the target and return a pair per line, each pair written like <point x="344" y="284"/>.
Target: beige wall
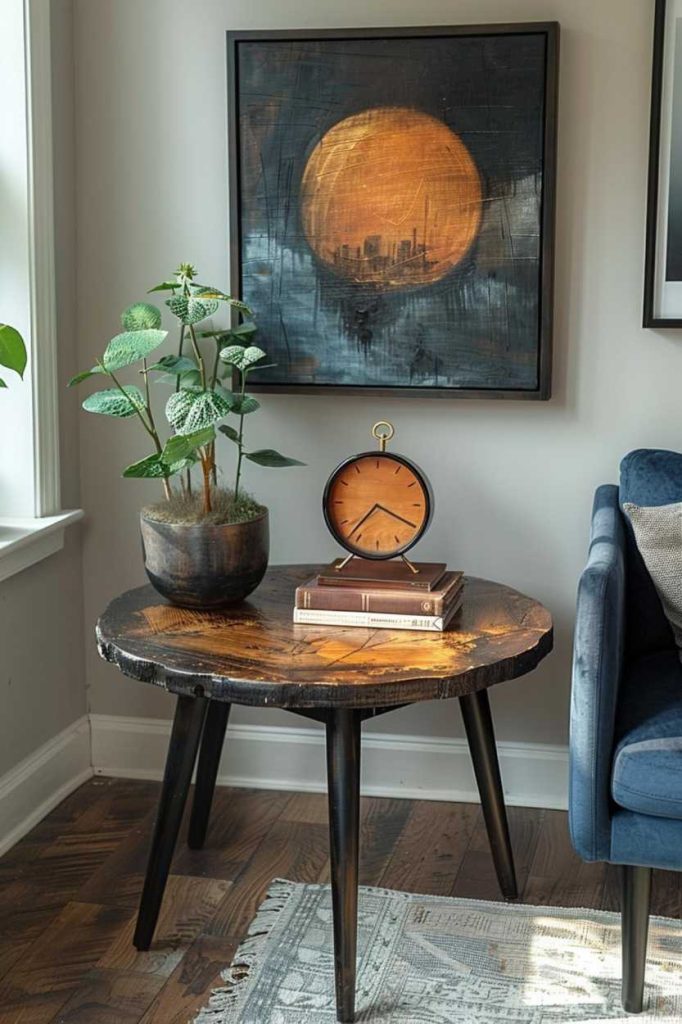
<point x="513" y="481"/>
<point x="42" y="680"/>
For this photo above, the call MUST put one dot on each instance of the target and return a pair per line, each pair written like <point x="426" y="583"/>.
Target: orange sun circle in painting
<point x="391" y="196"/>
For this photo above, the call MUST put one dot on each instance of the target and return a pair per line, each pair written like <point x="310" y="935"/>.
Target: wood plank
<point x="558" y="876"/>
<point x="190" y="985"/>
<point x="240" y="820"/>
<point x="118" y="880"/>
<point x="110" y="997"/>
<point x="57" y="962"/>
<point x="188" y="905"/>
<point x="381" y="823"/>
<point x="298" y="852"/>
<point x="476" y="878"/>
<point x="430" y="848"/>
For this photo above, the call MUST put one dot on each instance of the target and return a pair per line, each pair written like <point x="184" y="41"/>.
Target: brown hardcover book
<point x="377" y="620"/>
<point x="315" y="596"/>
<point x="376" y="575"/>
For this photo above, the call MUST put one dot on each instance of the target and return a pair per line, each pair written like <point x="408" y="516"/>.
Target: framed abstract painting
<point x="663" y="266"/>
<point x="392" y="207"/>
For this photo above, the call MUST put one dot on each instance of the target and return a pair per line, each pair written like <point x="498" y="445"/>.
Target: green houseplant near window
<point x="204" y="545"/>
<point x="12" y="351"/>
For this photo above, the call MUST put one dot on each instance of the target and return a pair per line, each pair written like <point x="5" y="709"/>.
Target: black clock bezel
<point x="426" y="490"/>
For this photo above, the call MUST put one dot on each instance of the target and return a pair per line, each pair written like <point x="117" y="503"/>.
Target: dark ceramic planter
<point x="205" y="566"/>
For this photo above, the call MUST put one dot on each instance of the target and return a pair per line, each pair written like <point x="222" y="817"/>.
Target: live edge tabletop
<point x="254" y="654"/>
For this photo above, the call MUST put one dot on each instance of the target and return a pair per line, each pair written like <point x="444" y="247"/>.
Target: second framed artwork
<point x="663" y="267"/>
<point x="392" y="207"/>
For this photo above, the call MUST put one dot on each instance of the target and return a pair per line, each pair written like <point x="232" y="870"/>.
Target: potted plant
<point x="204" y="545"/>
<point x="12" y="351"/>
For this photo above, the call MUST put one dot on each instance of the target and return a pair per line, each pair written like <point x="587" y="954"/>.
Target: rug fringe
<point x="228" y="996"/>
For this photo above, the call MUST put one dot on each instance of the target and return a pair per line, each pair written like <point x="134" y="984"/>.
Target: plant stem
<point x="148" y="426"/>
<point x="150" y="429"/>
<point x="207" y="466"/>
<point x="240" y="444"/>
<point x="198" y="356"/>
<point x="168" y="490"/>
<point x="216" y="364"/>
<point x="180" y="350"/>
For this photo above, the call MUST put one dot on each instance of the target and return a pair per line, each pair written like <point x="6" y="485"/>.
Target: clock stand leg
<point x="478" y="725"/>
<point x="343" y="778"/>
<point x="212" y="741"/>
<point x="182" y="751"/>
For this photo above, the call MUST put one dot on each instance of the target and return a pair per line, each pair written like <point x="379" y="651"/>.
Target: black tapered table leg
<point x="478" y="725"/>
<point x="343" y="780"/>
<point x="635" y="900"/>
<point x="182" y="751"/>
<point x="207" y="771"/>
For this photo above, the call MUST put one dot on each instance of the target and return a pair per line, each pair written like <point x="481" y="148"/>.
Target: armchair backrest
<point x="648" y="476"/>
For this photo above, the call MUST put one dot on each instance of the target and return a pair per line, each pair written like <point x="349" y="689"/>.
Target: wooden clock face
<point x="377" y="505"/>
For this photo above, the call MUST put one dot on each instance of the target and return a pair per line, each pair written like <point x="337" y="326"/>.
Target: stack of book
<point x="381" y="595"/>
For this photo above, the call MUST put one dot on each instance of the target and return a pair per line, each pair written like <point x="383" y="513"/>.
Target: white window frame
<point x="26" y="539"/>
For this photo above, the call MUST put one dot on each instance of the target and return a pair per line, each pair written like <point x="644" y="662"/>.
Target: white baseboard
<point x="42" y="780"/>
<point x="393" y="765"/>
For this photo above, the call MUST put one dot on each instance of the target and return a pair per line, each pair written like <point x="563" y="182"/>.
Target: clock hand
<point x="395" y="515"/>
<point x="362" y="520"/>
<point x="376" y="507"/>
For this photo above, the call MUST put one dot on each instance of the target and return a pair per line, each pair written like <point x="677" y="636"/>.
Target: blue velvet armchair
<point x="625" y="803"/>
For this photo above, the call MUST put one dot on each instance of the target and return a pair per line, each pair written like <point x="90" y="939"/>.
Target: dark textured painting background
<point x="478" y="327"/>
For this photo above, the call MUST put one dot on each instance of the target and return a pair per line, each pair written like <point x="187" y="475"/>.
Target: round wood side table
<point x="253" y="654"/>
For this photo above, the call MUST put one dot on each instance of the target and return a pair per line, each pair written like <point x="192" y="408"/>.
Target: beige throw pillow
<point x="658" y="532"/>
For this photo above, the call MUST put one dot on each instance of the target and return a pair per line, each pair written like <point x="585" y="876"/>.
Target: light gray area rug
<point x="431" y="960"/>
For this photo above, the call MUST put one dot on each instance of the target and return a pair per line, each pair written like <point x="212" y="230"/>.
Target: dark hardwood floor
<point x="69" y="890"/>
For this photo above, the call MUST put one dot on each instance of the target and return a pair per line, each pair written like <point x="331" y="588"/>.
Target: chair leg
<point x="478" y="725"/>
<point x="635" y="900"/>
<point x="207" y="771"/>
<point x="182" y="753"/>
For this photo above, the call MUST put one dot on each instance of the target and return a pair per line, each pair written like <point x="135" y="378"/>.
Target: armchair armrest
<point x="597" y="665"/>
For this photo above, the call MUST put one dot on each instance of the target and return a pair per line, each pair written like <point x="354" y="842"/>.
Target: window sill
<point x="25" y="541"/>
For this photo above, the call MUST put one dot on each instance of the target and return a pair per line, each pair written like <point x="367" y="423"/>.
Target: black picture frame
<point x="650" y="318"/>
<point x="550" y="32"/>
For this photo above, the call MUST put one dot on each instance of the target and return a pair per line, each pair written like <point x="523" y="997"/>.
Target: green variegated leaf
<point x="153" y="468"/>
<point x="252" y="355"/>
<point x="204" y="291"/>
<point x="233" y="354"/>
<point x="178" y="407"/>
<point x="141" y="316"/>
<point x="245" y="405"/>
<point x="191" y="379"/>
<point x="80" y="377"/>
<point x="127" y="348"/>
<point x="229" y="396"/>
<point x="190" y="310"/>
<point x="229" y="432"/>
<point x="188" y="411"/>
<point x="222" y="335"/>
<point x="12" y="349"/>
<point x="269" y="457"/>
<point x="183" y="446"/>
<point x="174" y="365"/>
<point x="113" y="403"/>
<point x="2" y="383"/>
<point x="165" y="286"/>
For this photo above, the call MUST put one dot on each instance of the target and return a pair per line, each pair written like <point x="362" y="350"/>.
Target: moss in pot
<point x="204" y="546"/>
